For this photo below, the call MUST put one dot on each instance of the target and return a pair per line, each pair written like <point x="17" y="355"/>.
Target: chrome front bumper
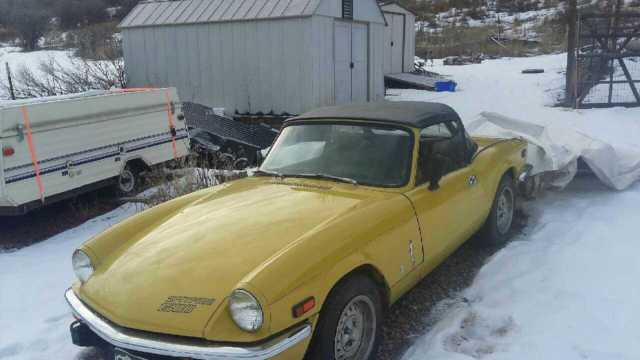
<point x="169" y="345"/>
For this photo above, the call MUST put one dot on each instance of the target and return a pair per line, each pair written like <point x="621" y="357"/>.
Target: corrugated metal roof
<point x="150" y="13"/>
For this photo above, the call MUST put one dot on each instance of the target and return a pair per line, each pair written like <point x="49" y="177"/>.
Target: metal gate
<point x="608" y="60"/>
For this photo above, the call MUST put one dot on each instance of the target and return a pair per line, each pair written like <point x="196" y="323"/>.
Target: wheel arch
<point x="511" y="171"/>
<point x="137" y="162"/>
<point x="372" y="272"/>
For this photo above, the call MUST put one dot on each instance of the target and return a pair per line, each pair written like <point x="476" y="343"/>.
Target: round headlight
<point x="245" y="311"/>
<point x="82" y="265"/>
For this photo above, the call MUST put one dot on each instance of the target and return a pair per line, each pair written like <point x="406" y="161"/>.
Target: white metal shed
<point x="258" y="56"/>
<point x="399" y="38"/>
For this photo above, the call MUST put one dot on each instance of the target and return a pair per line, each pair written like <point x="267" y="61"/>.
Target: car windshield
<point x="371" y="155"/>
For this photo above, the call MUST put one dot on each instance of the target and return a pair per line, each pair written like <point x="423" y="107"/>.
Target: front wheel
<point x="497" y="229"/>
<point x="350" y="323"/>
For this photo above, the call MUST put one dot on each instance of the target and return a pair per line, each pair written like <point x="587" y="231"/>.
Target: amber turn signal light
<point x="304" y="307"/>
<point x="8" y="151"/>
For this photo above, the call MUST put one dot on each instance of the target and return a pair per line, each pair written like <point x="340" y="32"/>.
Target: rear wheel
<point x="350" y="323"/>
<point x="497" y="229"/>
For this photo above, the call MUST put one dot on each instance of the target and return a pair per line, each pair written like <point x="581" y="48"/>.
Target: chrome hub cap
<point x="505" y="210"/>
<point x="356" y="330"/>
<point x="126" y="182"/>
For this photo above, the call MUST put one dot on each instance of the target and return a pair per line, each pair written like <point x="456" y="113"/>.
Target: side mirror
<point x="437" y="171"/>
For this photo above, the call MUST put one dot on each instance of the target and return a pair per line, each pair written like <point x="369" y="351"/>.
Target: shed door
<point x="359" y="74"/>
<point x="351" y="62"/>
<point x="397" y="43"/>
<point x="343" y="62"/>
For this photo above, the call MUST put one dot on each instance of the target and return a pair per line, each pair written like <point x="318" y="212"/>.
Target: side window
<point x="440" y="145"/>
<point x="439" y="131"/>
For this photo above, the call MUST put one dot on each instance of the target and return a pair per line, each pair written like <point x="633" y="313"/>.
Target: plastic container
<point x="442" y="86"/>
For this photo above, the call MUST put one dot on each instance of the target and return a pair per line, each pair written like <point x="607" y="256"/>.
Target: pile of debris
<point x="223" y="143"/>
<point x="463" y="60"/>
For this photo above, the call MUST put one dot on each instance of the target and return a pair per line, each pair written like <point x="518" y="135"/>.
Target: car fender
<point x="279" y="314"/>
<point x="320" y="287"/>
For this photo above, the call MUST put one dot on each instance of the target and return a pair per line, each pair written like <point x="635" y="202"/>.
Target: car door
<point x="446" y="213"/>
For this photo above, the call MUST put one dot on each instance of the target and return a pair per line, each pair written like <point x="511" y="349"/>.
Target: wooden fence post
<point x="571" y="89"/>
<point x="11" y="91"/>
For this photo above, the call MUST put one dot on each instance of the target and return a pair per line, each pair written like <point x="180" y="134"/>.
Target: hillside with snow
<point x="525" y="20"/>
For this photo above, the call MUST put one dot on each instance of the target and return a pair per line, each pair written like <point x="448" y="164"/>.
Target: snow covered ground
<point x="564" y="289"/>
<point x="499" y="86"/>
<point x="34" y="321"/>
<point x="30" y="60"/>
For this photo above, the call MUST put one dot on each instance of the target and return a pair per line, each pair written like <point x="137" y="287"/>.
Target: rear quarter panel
<point x="494" y="162"/>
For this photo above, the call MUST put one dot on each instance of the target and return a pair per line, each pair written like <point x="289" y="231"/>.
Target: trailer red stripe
<point x="32" y="151"/>
<point x="172" y="128"/>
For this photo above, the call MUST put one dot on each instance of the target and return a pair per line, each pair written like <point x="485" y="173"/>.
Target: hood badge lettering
<point x="184" y="304"/>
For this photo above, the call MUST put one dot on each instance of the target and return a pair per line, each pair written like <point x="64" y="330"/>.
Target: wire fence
<point x="608" y="60"/>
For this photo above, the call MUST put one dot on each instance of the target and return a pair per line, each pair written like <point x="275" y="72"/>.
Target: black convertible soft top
<point x="409" y="113"/>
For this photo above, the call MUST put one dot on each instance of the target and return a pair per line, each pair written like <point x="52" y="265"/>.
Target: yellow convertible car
<point x="351" y="208"/>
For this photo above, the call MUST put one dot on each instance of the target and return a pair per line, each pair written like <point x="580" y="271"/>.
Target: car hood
<point x="173" y="276"/>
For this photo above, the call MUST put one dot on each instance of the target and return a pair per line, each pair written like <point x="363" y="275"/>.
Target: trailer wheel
<point x="129" y="181"/>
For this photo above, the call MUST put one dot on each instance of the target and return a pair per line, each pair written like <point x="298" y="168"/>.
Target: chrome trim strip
<point x="169" y="345"/>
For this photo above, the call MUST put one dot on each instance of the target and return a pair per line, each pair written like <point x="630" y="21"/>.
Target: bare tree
<point x="29" y="18"/>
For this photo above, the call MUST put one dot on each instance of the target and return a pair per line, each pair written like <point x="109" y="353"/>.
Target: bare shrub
<point x="553" y="36"/>
<point x="51" y="78"/>
<point x="468" y="41"/>
<point x="184" y="178"/>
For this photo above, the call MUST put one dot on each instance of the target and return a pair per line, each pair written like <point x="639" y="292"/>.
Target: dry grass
<point x="169" y="183"/>
<point x="467" y="41"/>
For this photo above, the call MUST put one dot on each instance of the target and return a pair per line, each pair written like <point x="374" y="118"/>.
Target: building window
<point x="347" y="9"/>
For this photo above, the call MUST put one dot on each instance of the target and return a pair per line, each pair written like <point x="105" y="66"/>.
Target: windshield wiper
<point x="326" y="177"/>
<point x="267" y="173"/>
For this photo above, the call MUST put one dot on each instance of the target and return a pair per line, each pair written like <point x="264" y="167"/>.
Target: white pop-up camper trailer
<point x="57" y="147"/>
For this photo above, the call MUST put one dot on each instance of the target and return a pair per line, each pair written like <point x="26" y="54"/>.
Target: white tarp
<point x="556" y="149"/>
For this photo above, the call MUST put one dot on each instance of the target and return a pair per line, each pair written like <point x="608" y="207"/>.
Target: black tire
<point x="357" y="291"/>
<point x="497" y="228"/>
<point x="129" y="181"/>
